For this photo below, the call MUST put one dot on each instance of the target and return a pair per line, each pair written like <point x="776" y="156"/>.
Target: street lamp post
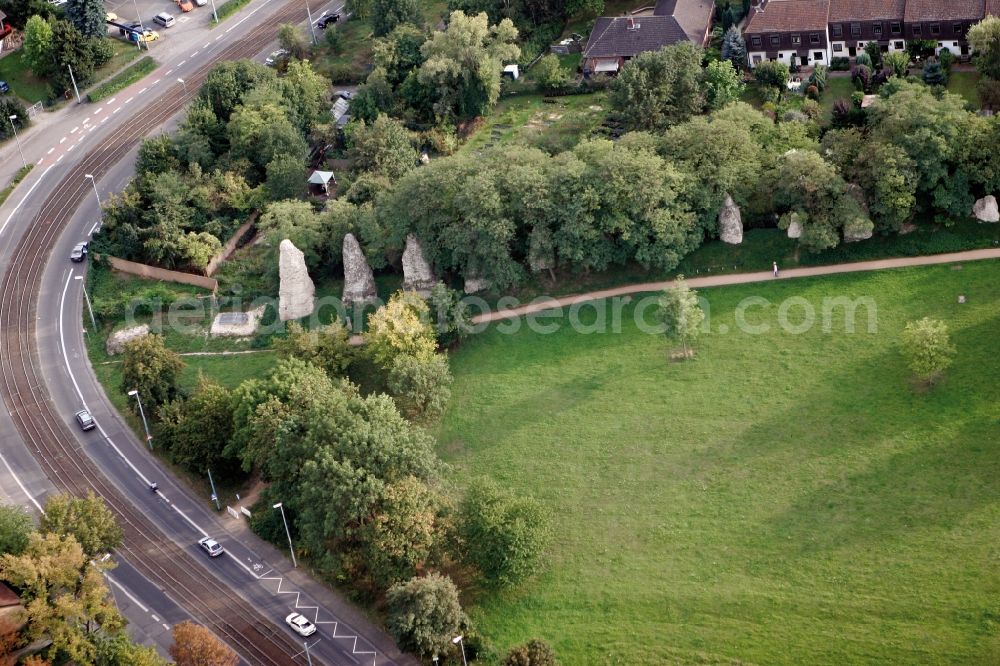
<point x="93" y="181"/>
<point x="308" y="656"/>
<point x="142" y="29"/>
<point x="215" y="13"/>
<point x="457" y="640"/>
<point x="73" y="79"/>
<point x="145" y="425"/>
<point x="86" y="297"/>
<point x="181" y="81"/>
<point x="312" y="27"/>
<point x="12" y="118"/>
<point x="288" y="533"/>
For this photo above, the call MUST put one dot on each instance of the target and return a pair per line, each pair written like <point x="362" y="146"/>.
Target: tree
<point x="152" y="369"/>
<point x="657" y="89"/>
<point x="291" y="39"/>
<point x="450" y="315"/>
<point x="88" y="16"/>
<point x="549" y="74"/>
<point x="71" y="48"/>
<point x="384" y="147"/>
<point x="20" y="11"/>
<point x="734" y="49"/>
<point x="298" y="222"/>
<point x="898" y="62"/>
<point x="119" y="650"/>
<point x="772" y="73"/>
<point x="463" y="64"/>
<point x="984" y="38"/>
<point x="934" y="74"/>
<point x="400" y="327"/>
<point x="64" y="595"/>
<point x="420" y="385"/>
<point x="401" y="534"/>
<point x="535" y="652"/>
<point x="927" y="348"/>
<point x="261" y="132"/>
<point x="398" y="53"/>
<point x="387" y="15"/>
<point x="424" y="614"/>
<point x="11" y="106"/>
<point x="228" y="82"/>
<point x="87" y="519"/>
<point x="680" y="313"/>
<point x="16" y="526"/>
<point x="501" y="534"/>
<point x="195" y="432"/>
<point x="328" y="347"/>
<point x="285" y="177"/>
<point x="195" y="645"/>
<point x="723" y="84"/>
<point x="38" y="46"/>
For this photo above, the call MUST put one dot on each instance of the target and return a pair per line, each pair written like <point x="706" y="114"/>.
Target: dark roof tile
<point x="866" y="10"/>
<point x="944" y="10"/>
<point x="612" y="37"/>
<point x="789" y="16"/>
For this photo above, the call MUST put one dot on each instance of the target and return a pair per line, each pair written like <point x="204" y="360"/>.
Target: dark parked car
<point x="85" y="420"/>
<point x="79" y="252"/>
<point x="4" y="87"/>
<point x="326" y="20"/>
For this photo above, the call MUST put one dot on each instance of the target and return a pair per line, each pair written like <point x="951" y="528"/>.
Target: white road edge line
<point x="51" y="150"/>
<point x="59" y="159"/>
<point x="62" y="140"/>
<point x="129" y="100"/>
<point x="73" y="131"/>
<point x="126" y="593"/>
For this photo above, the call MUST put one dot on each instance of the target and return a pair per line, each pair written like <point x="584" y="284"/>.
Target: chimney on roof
<point x="632" y="25"/>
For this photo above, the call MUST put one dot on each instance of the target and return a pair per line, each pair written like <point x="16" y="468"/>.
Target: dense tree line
<point x="242" y="144"/>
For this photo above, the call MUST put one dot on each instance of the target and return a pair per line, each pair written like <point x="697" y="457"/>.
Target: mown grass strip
<point x="227" y="9"/>
<point x="18" y="177"/>
<point x="126" y="78"/>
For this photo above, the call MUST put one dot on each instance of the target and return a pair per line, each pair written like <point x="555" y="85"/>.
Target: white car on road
<point x="300" y="625"/>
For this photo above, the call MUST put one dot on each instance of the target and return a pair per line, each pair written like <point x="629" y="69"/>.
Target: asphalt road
<point x="258" y="572"/>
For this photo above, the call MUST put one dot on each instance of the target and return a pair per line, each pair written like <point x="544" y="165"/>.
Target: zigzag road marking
<point x="316" y="620"/>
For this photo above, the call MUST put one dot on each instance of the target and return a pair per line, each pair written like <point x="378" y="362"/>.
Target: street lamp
<point x="457" y="640"/>
<point x="181" y="81"/>
<point x="142" y="29"/>
<point x="145" y="425"/>
<point x="12" y="118"/>
<point x="312" y="27"/>
<point x="281" y="505"/>
<point x="86" y="297"/>
<point x="93" y="181"/>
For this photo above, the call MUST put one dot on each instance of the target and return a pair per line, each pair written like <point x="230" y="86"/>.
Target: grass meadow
<point x="784" y="498"/>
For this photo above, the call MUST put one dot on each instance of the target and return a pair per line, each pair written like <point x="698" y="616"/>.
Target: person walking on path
<point x="774" y="264"/>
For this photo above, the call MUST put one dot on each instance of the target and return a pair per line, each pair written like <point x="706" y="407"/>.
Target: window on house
<point x="896" y="27"/>
<point x="898" y="46"/>
<point x="916" y="30"/>
<point x="755" y="41"/>
<point x="775" y="40"/>
<point x="817" y="55"/>
<point x="796" y="40"/>
<point x="935" y="29"/>
<point x="877" y="28"/>
<point x="957" y="28"/>
<point x="837" y="48"/>
<point x="856" y="29"/>
<point x="837" y="30"/>
<point x="814" y="38"/>
<point x="756" y="60"/>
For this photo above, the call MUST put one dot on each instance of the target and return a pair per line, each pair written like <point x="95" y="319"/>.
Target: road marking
<point x="73" y="131"/>
<point x="94" y="228"/>
<point x="92" y="128"/>
<point x="181" y="63"/>
<point x="128" y="594"/>
<point x="155" y="82"/>
<point x="194" y="54"/>
<point x="98" y="110"/>
<point x="51" y="150"/>
<point x="165" y="626"/>
<point x="81" y="138"/>
<point x="143" y="90"/>
<point x="104" y="120"/>
<point x="62" y="140"/>
<point x="19" y="484"/>
<point x="217" y="38"/>
<point x="21" y="203"/>
<point x="39" y="162"/>
<point x="59" y="159"/>
<point x="70" y="149"/>
<point x="86" y="120"/>
<point x="169" y="71"/>
<point x="112" y="101"/>
<point x="116" y="110"/>
<point x="129" y="100"/>
<point x="155" y="619"/>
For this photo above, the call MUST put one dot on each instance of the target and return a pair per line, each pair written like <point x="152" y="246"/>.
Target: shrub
<point x="840" y="64"/>
<point x="819" y="77"/>
<point x="863" y="59"/>
<point x="861" y="75"/>
<point x="812" y="92"/>
<point x="947" y="59"/>
<point x="344" y="73"/>
<point x="812" y="109"/>
<point x="420" y="385"/>
<point x="424" y="614"/>
<point x="535" y="652"/>
<point x="927" y="347"/>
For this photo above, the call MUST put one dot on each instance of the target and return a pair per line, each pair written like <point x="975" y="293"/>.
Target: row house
<point x="794" y="30"/>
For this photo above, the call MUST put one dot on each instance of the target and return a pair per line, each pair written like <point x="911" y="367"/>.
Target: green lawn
<point x="782" y="499"/>
<point x="22" y="82"/>
<point x="552" y="124"/>
<point x="964" y="84"/>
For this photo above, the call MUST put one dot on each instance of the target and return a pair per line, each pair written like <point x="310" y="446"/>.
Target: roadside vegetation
<point x="227" y="9"/>
<point x="18" y="177"/>
<point x="123" y="80"/>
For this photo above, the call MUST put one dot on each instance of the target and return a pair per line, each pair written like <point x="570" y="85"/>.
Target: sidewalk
<point x="739" y="278"/>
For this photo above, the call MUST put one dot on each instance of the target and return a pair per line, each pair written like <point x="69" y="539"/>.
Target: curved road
<point x="44" y="378"/>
